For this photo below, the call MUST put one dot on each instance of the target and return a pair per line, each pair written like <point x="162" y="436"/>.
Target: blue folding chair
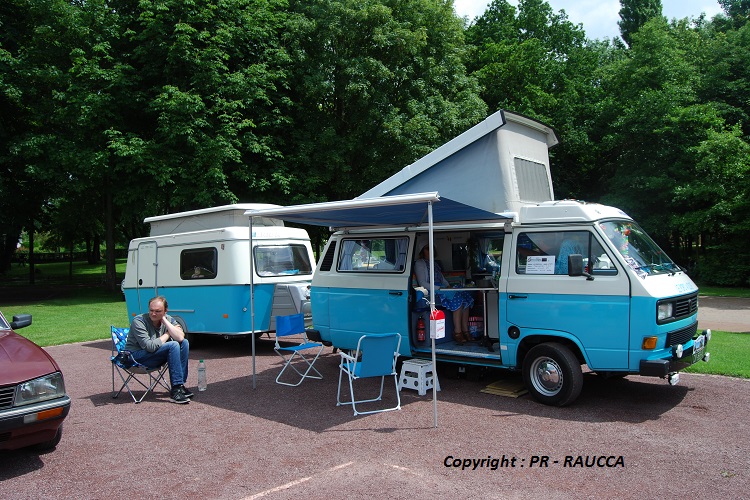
<point x="294" y="326"/>
<point x="130" y="370"/>
<point x="375" y="356"/>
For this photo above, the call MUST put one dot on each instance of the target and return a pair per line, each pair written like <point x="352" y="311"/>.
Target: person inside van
<point x="156" y="338"/>
<point x="459" y="302"/>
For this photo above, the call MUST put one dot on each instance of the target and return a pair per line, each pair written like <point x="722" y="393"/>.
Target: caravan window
<point x="198" y="264"/>
<point x="373" y="255"/>
<point x="282" y="260"/>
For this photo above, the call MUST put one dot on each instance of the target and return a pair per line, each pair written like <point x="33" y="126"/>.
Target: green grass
<point x="723" y="291"/>
<point x="83" y="317"/>
<point x="730" y="355"/>
<point x="59" y="272"/>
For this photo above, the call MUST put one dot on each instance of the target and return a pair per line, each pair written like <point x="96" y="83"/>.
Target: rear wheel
<point x="552" y="374"/>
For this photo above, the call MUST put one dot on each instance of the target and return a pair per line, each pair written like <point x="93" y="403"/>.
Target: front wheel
<point x="552" y="374"/>
<point x="52" y="443"/>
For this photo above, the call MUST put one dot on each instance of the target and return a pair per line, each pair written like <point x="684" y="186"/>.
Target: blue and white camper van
<point x="555" y="284"/>
<point x="201" y="262"/>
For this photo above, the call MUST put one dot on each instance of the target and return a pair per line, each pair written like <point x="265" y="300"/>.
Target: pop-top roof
<point x="497" y="165"/>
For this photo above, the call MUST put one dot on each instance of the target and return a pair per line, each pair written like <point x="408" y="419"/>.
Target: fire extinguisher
<point x="420" y="330"/>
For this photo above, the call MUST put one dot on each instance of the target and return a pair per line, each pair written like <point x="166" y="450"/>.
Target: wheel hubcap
<point x="547" y="377"/>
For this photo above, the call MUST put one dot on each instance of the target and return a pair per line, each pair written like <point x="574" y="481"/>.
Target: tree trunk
<point x="32" y="269"/>
<point x="111" y="274"/>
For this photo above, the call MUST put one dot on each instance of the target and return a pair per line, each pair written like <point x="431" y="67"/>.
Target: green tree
<point x="34" y="43"/>
<point x="728" y="75"/>
<point x="738" y="11"/>
<point x="536" y="62"/>
<point x="674" y="163"/>
<point x="376" y="85"/>
<point x="634" y="14"/>
<point x="208" y="110"/>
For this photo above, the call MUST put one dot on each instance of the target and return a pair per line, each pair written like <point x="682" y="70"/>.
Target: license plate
<point x="699" y="344"/>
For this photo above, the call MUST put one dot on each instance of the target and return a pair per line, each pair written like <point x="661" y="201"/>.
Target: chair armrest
<point x="347" y="357"/>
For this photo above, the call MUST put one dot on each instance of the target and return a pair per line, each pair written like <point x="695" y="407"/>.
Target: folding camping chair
<point x="130" y="370"/>
<point x="375" y="356"/>
<point x="287" y="326"/>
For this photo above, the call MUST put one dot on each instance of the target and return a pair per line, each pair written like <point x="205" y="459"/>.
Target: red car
<point x="33" y="402"/>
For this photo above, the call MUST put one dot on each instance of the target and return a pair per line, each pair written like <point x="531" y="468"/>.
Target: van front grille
<point x="681" y="336"/>
<point x="685" y="306"/>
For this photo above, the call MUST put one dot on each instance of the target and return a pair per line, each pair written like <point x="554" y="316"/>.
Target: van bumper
<point x="690" y="356"/>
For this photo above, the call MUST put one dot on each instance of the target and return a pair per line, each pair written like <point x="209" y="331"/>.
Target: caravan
<point x="201" y="261"/>
<point x="555" y="284"/>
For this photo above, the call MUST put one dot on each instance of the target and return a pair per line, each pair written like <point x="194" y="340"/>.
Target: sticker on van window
<point x="540" y="264"/>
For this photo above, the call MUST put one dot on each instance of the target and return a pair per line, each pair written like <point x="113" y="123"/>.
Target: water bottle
<point x="202" y="384"/>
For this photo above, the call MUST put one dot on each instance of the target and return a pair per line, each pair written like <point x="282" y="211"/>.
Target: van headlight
<point x="40" y="389"/>
<point x="664" y="311"/>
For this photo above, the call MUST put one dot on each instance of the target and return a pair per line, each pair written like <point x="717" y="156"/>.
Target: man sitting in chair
<point x="156" y="338"/>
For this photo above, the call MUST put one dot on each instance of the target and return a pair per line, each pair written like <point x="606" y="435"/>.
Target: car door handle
<point x="395" y="292"/>
<point x="518" y="296"/>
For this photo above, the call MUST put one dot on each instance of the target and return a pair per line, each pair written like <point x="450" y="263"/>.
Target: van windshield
<point x="637" y="248"/>
<point x="282" y="260"/>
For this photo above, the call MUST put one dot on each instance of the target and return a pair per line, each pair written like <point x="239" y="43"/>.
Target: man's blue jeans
<point x="174" y="353"/>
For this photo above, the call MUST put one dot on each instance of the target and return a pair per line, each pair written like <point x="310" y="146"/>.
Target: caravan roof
<point x="209" y="218"/>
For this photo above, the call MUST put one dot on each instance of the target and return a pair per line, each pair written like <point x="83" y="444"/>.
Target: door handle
<point x="395" y="292"/>
<point x="518" y="296"/>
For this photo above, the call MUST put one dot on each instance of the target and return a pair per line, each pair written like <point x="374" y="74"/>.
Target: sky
<point x="599" y="17"/>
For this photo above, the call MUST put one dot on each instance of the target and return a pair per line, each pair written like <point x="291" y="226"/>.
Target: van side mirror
<point x="575" y="266"/>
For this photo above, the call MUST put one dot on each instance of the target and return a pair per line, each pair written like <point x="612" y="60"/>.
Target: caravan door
<point x="146" y="283"/>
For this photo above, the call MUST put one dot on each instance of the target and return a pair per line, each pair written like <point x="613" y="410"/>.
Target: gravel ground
<point x="236" y="442"/>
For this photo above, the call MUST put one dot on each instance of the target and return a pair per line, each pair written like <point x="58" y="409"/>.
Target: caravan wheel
<point x="191" y="337"/>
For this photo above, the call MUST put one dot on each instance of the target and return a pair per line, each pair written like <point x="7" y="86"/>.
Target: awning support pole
<point x="432" y="310"/>
<point x="252" y="300"/>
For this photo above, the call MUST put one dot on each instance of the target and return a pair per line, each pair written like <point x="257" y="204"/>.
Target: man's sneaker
<point x="187" y="392"/>
<point x="176" y="395"/>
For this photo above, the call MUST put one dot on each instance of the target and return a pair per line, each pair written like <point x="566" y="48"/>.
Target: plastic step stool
<point x="417" y="374"/>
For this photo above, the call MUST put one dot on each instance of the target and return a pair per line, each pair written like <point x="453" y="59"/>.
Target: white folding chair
<point x="289" y="328"/>
<point x="375" y="356"/>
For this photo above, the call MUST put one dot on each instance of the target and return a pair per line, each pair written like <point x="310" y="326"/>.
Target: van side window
<point x="486" y="252"/>
<point x="198" y="264"/>
<point x="373" y="255"/>
<point x="281" y="260"/>
<point x="327" y="262"/>
<point x="546" y="252"/>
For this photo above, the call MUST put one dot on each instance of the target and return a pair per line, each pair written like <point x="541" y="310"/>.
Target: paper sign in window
<point x="540" y="264"/>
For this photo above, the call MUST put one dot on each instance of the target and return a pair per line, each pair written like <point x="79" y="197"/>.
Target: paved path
<point x="727" y="314"/>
